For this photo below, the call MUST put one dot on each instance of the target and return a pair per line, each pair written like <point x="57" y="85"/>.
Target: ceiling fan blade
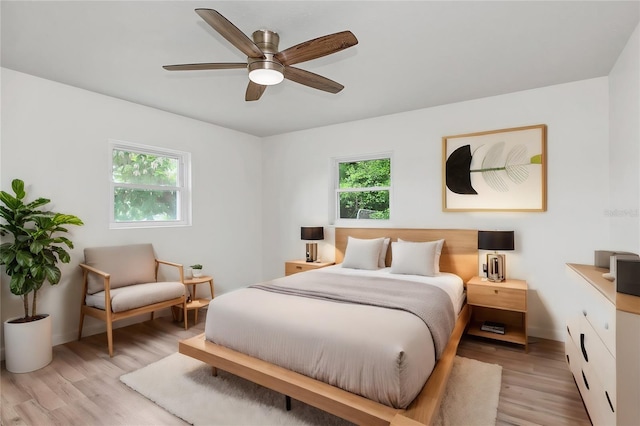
<point x="254" y="91"/>
<point x="310" y="79"/>
<point x="230" y="32"/>
<point x="317" y="48"/>
<point x="209" y="66"/>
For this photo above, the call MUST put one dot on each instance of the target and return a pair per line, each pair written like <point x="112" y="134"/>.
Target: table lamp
<point x="495" y="240"/>
<point x="312" y="233"/>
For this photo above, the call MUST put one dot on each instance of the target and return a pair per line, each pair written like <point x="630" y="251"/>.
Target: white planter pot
<point x="28" y="346"/>
<point x="197" y="273"/>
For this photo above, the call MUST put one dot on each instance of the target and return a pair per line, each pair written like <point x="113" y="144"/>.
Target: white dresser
<point x="602" y="346"/>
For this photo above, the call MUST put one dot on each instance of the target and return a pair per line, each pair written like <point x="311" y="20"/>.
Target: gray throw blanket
<point x="431" y="304"/>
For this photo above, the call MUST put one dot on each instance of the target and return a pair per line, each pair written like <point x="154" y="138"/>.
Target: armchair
<point x="121" y="281"/>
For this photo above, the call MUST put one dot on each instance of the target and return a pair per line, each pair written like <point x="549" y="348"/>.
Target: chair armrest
<point x="177" y="265"/>
<point x="107" y="284"/>
<point x="95" y="271"/>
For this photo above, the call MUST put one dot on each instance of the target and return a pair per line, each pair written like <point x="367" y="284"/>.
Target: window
<point x="363" y="187"/>
<point x="149" y="186"/>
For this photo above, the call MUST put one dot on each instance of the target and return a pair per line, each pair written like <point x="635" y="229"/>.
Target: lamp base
<point x="496" y="267"/>
<point x="312" y="252"/>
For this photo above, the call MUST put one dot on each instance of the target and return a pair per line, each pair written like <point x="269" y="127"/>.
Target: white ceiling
<point x="411" y="54"/>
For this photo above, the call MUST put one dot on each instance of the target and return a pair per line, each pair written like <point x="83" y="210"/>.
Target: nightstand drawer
<point x="497" y="297"/>
<point x="294" y="266"/>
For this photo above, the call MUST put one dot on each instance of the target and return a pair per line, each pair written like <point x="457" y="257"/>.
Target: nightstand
<point x="503" y="302"/>
<point x="294" y="266"/>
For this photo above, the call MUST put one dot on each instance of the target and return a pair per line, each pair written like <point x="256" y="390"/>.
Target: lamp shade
<point x="495" y="240"/>
<point x="312" y="233"/>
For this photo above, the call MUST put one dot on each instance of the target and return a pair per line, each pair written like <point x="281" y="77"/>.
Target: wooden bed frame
<point x="459" y="255"/>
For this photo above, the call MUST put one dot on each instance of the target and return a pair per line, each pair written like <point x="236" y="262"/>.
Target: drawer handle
<point x="568" y="360"/>
<point x="609" y="401"/>
<point x="568" y="331"/>
<point x="298" y="267"/>
<point x="584" y="350"/>
<point x="606" y="325"/>
<point x="495" y="291"/>
<point x="585" y="380"/>
<point x="584" y="312"/>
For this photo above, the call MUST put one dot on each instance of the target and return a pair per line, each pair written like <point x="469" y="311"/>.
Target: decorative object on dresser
<point x="608" y="259"/>
<point x="628" y="274"/>
<point x="312" y="233"/>
<point x="496" y="263"/>
<point x="294" y="266"/>
<point x="498" y="170"/>
<point x="499" y="310"/>
<point x="602" y="346"/>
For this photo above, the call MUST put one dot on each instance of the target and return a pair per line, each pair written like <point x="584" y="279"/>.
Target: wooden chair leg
<point x="184" y="309"/>
<point x="81" y="323"/>
<point x="214" y="371"/>
<point x="110" y="337"/>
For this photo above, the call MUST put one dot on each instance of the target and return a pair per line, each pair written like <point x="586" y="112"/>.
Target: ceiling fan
<point x="266" y="65"/>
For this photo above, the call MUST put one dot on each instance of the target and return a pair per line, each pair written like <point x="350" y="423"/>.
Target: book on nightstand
<point x="492" y="327"/>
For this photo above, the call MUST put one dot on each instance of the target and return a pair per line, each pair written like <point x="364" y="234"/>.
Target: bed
<point x="236" y="320"/>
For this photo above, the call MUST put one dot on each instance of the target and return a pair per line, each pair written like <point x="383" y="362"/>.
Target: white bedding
<point x="452" y="284"/>
<point x="385" y="355"/>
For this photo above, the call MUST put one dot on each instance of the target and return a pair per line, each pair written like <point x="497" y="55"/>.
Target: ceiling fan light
<point x="266" y="73"/>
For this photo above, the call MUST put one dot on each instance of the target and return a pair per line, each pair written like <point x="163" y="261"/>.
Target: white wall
<point x="54" y="137"/>
<point x="296" y="185"/>
<point x="624" y="148"/>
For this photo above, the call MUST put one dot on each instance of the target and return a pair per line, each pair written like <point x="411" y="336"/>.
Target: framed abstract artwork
<point x="498" y="170"/>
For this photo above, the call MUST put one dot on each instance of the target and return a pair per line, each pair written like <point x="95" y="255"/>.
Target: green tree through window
<point x="363" y="188"/>
<point x="147" y="185"/>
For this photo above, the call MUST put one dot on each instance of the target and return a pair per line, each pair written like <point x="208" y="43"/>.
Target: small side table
<point x="197" y="303"/>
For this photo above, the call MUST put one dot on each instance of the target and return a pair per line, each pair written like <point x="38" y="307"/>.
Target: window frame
<point x="336" y="190"/>
<point x="183" y="189"/>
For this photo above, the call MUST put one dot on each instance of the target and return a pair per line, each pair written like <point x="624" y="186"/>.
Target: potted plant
<point x="30" y="259"/>
<point x="196" y="270"/>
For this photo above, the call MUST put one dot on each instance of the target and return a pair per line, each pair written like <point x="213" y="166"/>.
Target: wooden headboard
<point x="459" y="253"/>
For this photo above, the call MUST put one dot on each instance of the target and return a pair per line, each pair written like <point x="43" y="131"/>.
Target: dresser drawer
<point x="573" y="357"/>
<point x="598" y="359"/>
<point x="599" y="402"/>
<point x="601" y="314"/>
<point x="496" y="297"/>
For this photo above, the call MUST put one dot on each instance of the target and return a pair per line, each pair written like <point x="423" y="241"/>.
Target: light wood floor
<point x="81" y="386"/>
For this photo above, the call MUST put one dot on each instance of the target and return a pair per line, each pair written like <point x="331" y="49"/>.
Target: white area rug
<point x="185" y="387"/>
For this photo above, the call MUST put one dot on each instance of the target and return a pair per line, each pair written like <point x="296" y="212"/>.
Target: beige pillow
<point x="436" y="260"/>
<point x="362" y="254"/>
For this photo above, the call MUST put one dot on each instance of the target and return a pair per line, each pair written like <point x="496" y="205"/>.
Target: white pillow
<point x="362" y="254"/>
<point x="413" y="258"/>
<point x="436" y="261"/>
<point x="383" y="253"/>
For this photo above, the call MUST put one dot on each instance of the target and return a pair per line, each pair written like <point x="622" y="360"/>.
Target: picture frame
<point x="497" y="170"/>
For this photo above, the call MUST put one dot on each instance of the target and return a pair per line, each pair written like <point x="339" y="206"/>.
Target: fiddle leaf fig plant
<point x="37" y="246"/>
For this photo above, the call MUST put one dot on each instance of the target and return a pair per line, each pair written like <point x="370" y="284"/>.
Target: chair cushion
<point x="130" y="264"/>
<point x="138" y="295"/>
